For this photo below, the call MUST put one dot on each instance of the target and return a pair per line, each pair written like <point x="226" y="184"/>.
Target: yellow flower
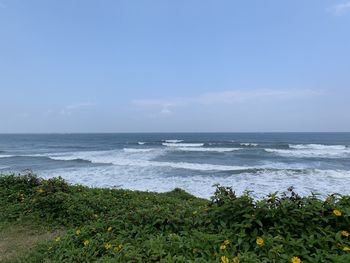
<point x="86" y="243"/>
<point x="346" y="248"/>
<point x="40" y="190"/>
<point x="345" y="233"/>
<point x="222" y="247"/>
<point x="226" y="242"/>
<point x="224" y="259"/>
<point x="108" y="246"/>
<point x="295" y="260"/>
<point x="58" y="239"/>
<point x="77" y="232"/>
<point x="109" y="229"/>
<point x="260" y="241"/>
<point x="235" y="260"/>
<point x="337" y="212"/>
<point x="118" y="248"/>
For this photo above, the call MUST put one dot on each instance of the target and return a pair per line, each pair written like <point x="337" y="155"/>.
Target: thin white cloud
<point x="340" y="9"/>
<point x="237" y="96"/>
<point x="167" y="106"/>
<point x="69" y="109"/>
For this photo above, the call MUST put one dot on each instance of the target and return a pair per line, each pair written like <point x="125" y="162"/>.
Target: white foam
<point x="135" y="150"/>
<point x="173" y="141"/>
<point x="302" y="153"/>
<point x="317" y="147"/>
<point x="114" y="157"/>
<point x="108" y="157"/>
<point x="6" y="155"/>
<point x="159" y="179"/>
<point x="179" y="165"/>
<point x="331" y="173"/>
<point x="249" y="144"/>
<point x="199" y="149"/>
<point x="63" y="158"/>
<point x="183" y="144"/>
<point x="141" y="143"/>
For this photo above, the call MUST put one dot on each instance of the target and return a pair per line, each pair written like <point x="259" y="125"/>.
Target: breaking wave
<point x="313" y="150"/>
<point x="183" y="144"/>
<point x="135" y="150"/>
<point x="199" y="149"/>
<point x="249" y="144"/>
<point x="173" y="141"/>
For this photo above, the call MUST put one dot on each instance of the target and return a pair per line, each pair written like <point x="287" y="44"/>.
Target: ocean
<point x="258" y="162"/>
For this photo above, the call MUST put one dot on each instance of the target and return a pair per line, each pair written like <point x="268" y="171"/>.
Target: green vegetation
<point x="80" y="224"/>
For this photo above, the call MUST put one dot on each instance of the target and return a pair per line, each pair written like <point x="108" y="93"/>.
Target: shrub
<point x="105" y="225"/>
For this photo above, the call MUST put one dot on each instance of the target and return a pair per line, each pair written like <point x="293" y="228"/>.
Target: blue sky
<point x="184" y="65"/>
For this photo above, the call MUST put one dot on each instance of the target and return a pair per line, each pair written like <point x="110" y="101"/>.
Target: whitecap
<point x="317" y="147"/>
<point x="6" y="155"/>
<point x="200" y="149"/>
<point x="135" y="150"/>
<point x="107" y="157"/>
<point x="302" y="153"/>
<point x="180" y="165"/>
<point x="249" y="144"/>
<point x="173" y="141"/>
<point x="183" y="144"/>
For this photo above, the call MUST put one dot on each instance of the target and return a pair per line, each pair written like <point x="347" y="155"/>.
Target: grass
<point x="52" y="221"/>
<point x="16" y="240"/>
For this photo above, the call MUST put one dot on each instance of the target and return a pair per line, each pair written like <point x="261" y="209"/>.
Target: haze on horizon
<point x="174" y="66"/>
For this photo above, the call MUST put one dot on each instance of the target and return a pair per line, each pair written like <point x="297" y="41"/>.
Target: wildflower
<point x="194" y="212"/>
<point x="58" y="239"/>
<point x="224" y="259"/>
<point x="77" y="232"/>
<point x="346" y="248"/>
<point x="295" y="260"/>
<point x="109" y="229"/>
<point x="345" y="233"/>
<point x="222" y="247"/>
<point x="108" y="246"/>
<point x="118" y="248"/>
<point x="86" y="243"/>
<point x="337" y="212"/>
<point x="226" y="242"/>
<point x="40" y="190"/>
<point x="235" y="260"/>
<point x="260" y="241"/>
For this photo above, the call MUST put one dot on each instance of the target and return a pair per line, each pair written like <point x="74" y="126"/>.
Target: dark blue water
<point x="262" y="162"/>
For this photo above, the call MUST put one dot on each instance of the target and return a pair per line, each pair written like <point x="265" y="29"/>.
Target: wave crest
<point x="183" y="144"/>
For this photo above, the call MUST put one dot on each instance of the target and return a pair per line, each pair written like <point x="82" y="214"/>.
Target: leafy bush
<point x="107" y="225"/>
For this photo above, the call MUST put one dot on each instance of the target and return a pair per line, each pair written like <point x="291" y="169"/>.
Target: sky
<point x="174" y="66"/>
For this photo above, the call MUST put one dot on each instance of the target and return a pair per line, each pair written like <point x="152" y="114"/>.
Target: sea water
<point x="259" y="162"/>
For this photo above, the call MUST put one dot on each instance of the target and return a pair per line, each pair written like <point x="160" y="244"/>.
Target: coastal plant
<point x="115" y="225"/>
